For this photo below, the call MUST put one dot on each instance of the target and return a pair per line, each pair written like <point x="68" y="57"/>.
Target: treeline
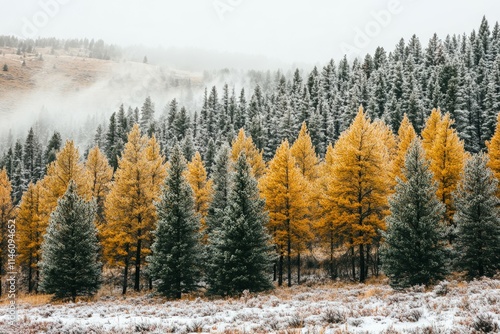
<point x="88" y="48"/>
<point x="171" y="226"/>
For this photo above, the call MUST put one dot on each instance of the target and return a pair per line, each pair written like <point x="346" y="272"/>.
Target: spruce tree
<point x="221" y="183"/>
<point x="174" y="263"/>
<point x="414" y="251"/>
<point x="70" y="250"/>
<point x="240" y="250"/>
<point x="478" y="220"/>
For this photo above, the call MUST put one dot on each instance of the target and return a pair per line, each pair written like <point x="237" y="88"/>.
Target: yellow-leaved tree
<point x="307" y="162"/>
<point x="354" y="202"/>
<point x="285" y="191"/>
<point x="6" y="213"/>
<point x="60" y="172"/>
<point x="494" y="153"/>
<point x="129" y="206"/>
<point x="196" y="175"/>
<point x="30" y="230"/>
<point x="429" y="132"/>
<point x="99" y="175"/>
<point x="446" y="154"/>
<point x="242" y="143"/>
<point x="406" y="134"/>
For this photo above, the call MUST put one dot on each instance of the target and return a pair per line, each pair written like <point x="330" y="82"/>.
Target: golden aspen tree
<point x="129" y="206"/>
<point x="355" y="198"/>
<point x="196" y="176"/>
<point x="406" y="134"/>
<point x="429" y="132"/>
<point x="308" y="163"/>
<point x="285" y="191"/>
<point x="30" y="229"/>
<point x="60" y="172"/>
<point x="7" y="212"/>
<point x="99" y="175"/>
<point x="446" y="158"/>
<point x="494" y="153"/>
<point x="242" y="143"/>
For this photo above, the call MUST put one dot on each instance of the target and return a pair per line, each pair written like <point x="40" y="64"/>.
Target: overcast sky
<point x="311" y="31"/>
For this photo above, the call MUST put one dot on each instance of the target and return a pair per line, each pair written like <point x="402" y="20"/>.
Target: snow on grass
<point x="455" y="307"/>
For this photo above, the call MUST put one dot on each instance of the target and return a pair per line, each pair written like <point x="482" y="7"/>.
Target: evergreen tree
<point x="221" y="184"/>
<point x="53" y="147"/>
<point x="240" y="252"/>
<point x="70" y="249"/>
<point x="147" y="115"/>
<point x="478" y="220"/>
<point x="174" y="262"/>
<point x="414" y="251"/>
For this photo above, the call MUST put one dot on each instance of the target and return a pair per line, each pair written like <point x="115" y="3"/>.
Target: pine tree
<point x="129" y="206"/>
<point x="31" y="229"/>
<point x="7" y="211"/>
<point x="285" y="191"/>
<point x="53" y="147"/>
<point x="414" y="251"/>
<point x="70" y="249"/>
<point x="242" y="143"/>
<point x="147" y="115"/>
<point x="174" y="262"/>
<point x="478" y="220"/>
<point x="32" y="158"/>
<point x="240" y="252"/>
<point x="196" y="175"/>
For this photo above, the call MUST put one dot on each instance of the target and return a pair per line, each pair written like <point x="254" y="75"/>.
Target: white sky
<point x="308" y="31"/>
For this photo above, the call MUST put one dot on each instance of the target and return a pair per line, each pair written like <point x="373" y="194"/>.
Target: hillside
<point x="57" y="80"/>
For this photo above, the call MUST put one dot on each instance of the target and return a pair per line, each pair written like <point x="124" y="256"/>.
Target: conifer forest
<point x="338" y="191"/>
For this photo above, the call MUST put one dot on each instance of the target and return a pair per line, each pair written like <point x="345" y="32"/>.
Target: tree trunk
<point x="73" y="294"/>
<point x="331" y="256"/>
<point x="30" y="277"/>
<point x="362" y="276"/>
<point x="367" y="264"/>
<point x="298" y="268"/>
<point x="289" y="261"/>
<point x="280" y="271"/>
<point x="125" y="275"/>
<point x="150" y="281"/>
<point x="353" y="263"/>
<point x="275" y="269"/>
<point x="137" y="279"/>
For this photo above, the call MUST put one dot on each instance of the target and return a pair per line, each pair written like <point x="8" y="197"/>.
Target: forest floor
<point x="450" y="307"/>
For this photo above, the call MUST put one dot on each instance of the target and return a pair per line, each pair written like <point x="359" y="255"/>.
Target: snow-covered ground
<point x="455" y="307"/>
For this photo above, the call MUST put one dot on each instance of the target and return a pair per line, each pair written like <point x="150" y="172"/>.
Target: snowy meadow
<point x="450" y="307"/>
